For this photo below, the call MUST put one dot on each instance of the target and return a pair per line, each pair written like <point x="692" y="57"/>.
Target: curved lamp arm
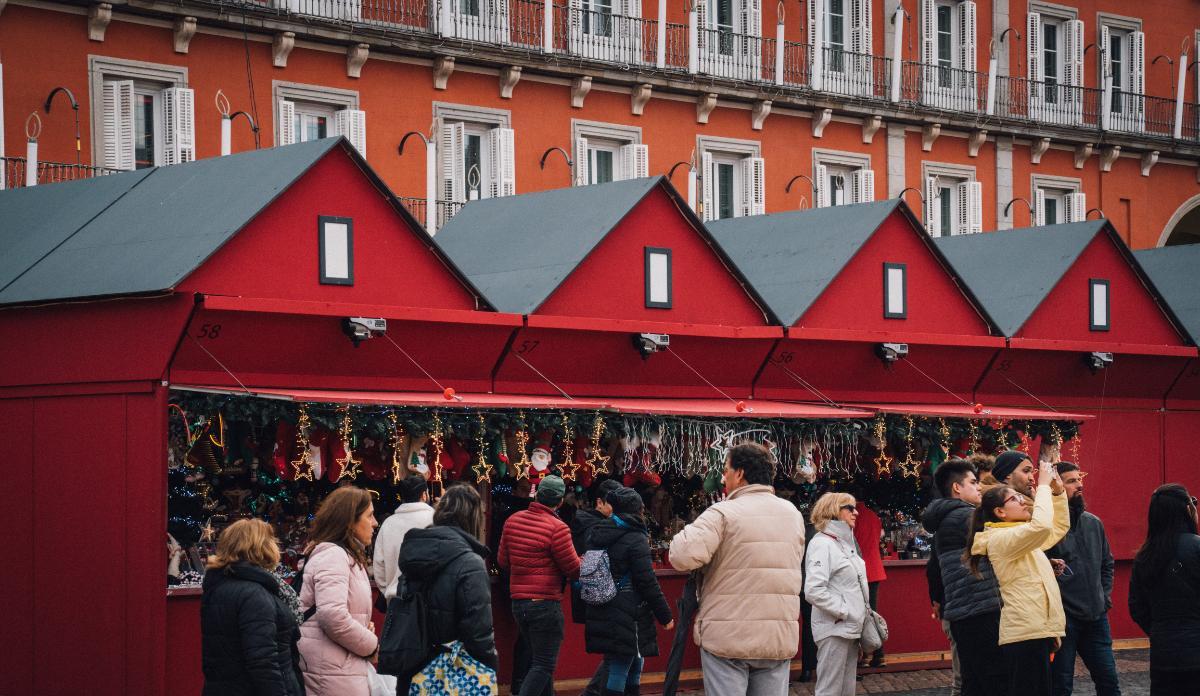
<point x="812" y="185"/>
<point x="542" y="163"/>
<point x="912" y="188"/>
<point x="1095" y="210"/>
<point x="419" y="134"/>
<point x="75" y="108"/>
<point x="671" y="171"/>
<point x="1028" y="205"/>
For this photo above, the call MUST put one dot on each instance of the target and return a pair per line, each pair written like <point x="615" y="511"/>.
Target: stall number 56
<point x="209" y="331"/>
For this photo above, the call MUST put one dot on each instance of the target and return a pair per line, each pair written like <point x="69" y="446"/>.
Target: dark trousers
<point x="808" y="646"/>
<point x="979" y="659"/>
<point x="541" y="624"/>
<point x="1173" y="683"/>
<point x="1028" y="665"/>
<point x="873" y="595"/>
<point x="1092" y="641"/>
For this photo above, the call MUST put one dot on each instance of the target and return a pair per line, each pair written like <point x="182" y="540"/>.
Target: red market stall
<point x="1088" y="331"/>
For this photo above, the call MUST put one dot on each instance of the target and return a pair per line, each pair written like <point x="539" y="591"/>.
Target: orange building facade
<point x="995" y="113"/>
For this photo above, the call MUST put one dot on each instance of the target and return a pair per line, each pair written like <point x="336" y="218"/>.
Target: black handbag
<point x="405" y="646"/>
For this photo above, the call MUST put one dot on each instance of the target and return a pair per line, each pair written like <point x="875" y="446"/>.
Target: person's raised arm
<point x="696" y="544"/>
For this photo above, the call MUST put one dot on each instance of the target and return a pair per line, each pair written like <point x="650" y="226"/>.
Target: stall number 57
<point x="209" y="331"/>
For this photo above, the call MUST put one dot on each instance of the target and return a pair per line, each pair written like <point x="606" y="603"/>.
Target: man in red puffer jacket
<point x="536" y="549"/>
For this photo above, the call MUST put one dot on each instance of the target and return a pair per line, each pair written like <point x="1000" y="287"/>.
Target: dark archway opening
<point x="1187" y="230"/>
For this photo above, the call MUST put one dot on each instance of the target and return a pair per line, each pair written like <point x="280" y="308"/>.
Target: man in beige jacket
<point x="749" y="549"/>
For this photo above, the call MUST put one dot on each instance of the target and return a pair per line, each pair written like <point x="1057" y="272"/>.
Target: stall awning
<point x="965" y="411"/>
<point x="752" y="408"/>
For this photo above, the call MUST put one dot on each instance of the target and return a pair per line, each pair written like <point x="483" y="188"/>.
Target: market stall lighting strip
<point x="220" y="364"/>
<point x="422" y="369"/>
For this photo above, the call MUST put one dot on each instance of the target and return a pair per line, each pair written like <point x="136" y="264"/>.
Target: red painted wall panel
<point x="855" y="298"/>
<point x="17" y="515"/>
<point x="80" y="555"/>
<point x="277" y="254"/>
<point x="145" y="499"/>
<point x="610" y="282"/>
<point x="1062" y="379"/>
<point x="1185" y="394"/>
<point x="1182" y="458"/>
<point x="1135" y="318"/>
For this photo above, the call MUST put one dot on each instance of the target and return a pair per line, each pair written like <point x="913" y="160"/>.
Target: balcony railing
<point x="445" y="209"/>
<point x="13" y="172"/>
<point x="593" y="32"/>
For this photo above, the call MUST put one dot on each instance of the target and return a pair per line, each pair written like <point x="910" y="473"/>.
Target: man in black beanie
<point x="584" y="520"/>
<point x="1015" y="470"/>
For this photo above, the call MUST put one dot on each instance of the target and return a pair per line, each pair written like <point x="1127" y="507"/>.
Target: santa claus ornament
<point x="540" y="457"/>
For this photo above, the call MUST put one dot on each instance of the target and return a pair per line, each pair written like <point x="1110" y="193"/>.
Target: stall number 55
<point x="209" y="331"/>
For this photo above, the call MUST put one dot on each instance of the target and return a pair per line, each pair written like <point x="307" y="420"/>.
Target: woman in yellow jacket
<point x="1014" y="540"/>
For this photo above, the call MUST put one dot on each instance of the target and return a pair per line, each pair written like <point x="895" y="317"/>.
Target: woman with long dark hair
<point x="622" y="630"/>
<point x="1164" y="592"/>
<point x="1013" y="539"/>
<point x="339" y="639"/>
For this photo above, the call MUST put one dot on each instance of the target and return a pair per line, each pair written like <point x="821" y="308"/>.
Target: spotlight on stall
<point x="649" y="343"/>
<point x="359" y="329"/>
<point x="1098" y="361"/>
<point x="891" y="352"/>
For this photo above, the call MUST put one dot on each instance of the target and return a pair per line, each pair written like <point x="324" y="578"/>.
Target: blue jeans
<point x="541" y="623"/>
<point x="1092" y="641"/>
<point x="624" y="671"/>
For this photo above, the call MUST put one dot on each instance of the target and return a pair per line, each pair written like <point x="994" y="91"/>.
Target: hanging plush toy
<point x="540" y="456"/>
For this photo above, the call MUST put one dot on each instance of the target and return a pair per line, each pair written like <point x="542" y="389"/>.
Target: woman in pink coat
<point x="337" y="642"/>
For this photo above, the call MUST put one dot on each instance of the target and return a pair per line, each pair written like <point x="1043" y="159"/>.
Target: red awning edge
<point x="1101" y="346"/>
<point x="342" y="309"/>
<point x="965" y="411"/>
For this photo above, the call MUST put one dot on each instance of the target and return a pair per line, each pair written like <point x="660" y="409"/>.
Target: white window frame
<point x="838" y="72"/>
<point x="837" y="161"/>
<point x="609" y="137"/>
<point x="954" y="85"/>
<point x="477" y="121"/>
<point x="1064" y="104"/>
<point x="725" y="151"/>
<point x="951" y="176"/>
<point x="1124" y="113"/>
<point x="146" y="77"/>
<point x="310" y="100"/>
<point x="1057" y="186"/>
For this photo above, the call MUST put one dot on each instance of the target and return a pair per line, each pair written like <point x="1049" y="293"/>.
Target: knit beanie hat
<point x="625" y="501"/>
<point x="1006" y="463"/>
<point x="605" y="487"/>
<point x="551" y="491"/>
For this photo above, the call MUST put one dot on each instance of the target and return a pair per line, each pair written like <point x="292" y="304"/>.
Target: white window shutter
<point x="635" y="161"/>
<point x="453" y="188"/>
<point x="1039" y="208"/>
<point x="864" y="28"/>
<point x="1137" y="67"/>
<point x="816" y="43"/>
<point x="1073" y="61"/>
<point x="1105" y="55"/>
<point x="707" y="183"/>
<point x="1033" y="48"/>
<point x="582" y="162"/>
<point x="179" y="125"/>
<point x="815" y="16"/>
<point x="1076" y="208"/>
<point x="118" y="125"/>
<point x="500" y="9"/>
<point x="864" y="186"/>
<point x="285" y="131"/>
<point x="929" y="32"/>
<point x="967" y="32"/>
<point x="755" y="28"/>
<point x="504" y="169"/>
<point x="754" y="195"/>
<point x="933" y="208"/>
<point x="974" y="205"/>
<point x="821" y="186"/>
<point x="352" y="123"/>
<point x="633" y="8"/>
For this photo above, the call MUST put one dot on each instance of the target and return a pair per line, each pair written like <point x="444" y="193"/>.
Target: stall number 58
<point x="209" y="331"/>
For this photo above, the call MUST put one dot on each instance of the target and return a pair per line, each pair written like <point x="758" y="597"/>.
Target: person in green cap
<point x="536" y="550"/>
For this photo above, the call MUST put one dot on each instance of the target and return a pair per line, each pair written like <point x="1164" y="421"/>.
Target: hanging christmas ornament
<point x="448" y="394"/>
<point x="303" y="466"/>
<point x="973" y="437"/>
<point x="910" y="466"/>
<point x="944" y="433"/>
<point x="568" y="465"/>
<point x="597" y="460"/>
<point x="883" y="463"/>
<point x="349" y="464"/>
<point x="522" y="464"/>
<point x="435" y="437"/>
<point x="1075" y="442"/>
<point x="396" y="437"/>
<point x="482" y="468"/>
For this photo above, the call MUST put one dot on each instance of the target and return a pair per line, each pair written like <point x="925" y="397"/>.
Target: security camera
<point x="1098" y="361"/>
<point x="649" y="343"/>
<point x="360" y="329"/>
<point x="891" y="352"/>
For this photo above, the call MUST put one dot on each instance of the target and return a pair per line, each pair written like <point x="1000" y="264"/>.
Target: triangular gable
<point x="277" y="254"/>
<point x="1175" y="272"/>
<point x="1012" y="272"/>
<point x="1136" y="314"/>
<point x="518" y="249"/>
<point x="610" y="282"/>
<point x="791" y="258"/>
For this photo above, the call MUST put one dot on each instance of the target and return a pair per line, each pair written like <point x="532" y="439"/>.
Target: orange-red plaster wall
<point x="1134" y="316"/>
<point x="855" y="297"/>
<point x="610" y="282"/>
<point x="277" y="255"/>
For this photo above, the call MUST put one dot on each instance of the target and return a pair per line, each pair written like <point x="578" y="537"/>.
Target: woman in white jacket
<point x="835" y="584"/>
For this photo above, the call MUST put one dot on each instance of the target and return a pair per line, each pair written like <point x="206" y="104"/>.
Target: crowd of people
<point x="1021" y="578"/>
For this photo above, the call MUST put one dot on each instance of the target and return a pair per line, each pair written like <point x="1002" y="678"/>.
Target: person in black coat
<point x="623" y="629"/>
<point x="584" y="520"/>
<point x="248" y="633"/>
<point x="447" y="559"/>
<point x="1164" y="591"/>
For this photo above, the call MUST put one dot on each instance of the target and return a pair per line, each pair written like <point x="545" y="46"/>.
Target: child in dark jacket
<point x="623" y="629"/>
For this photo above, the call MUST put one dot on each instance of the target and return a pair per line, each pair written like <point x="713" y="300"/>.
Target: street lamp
<point x="75" y="108"/>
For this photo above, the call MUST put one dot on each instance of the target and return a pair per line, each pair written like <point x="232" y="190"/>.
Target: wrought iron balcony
<point x="14" y="172"/>
<point x="444" y="209"/>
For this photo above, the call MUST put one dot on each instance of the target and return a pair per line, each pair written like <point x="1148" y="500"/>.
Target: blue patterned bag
<point x="455" y="673"/>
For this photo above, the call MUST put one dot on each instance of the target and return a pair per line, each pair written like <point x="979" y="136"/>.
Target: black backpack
<point x="405" y="646"/>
